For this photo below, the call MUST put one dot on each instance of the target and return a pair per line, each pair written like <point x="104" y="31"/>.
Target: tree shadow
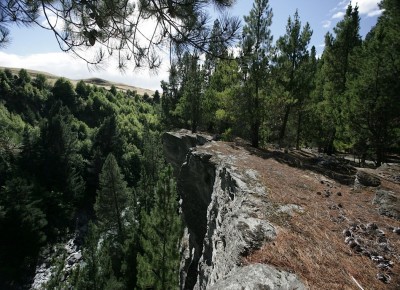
<point x="335" y="168"/>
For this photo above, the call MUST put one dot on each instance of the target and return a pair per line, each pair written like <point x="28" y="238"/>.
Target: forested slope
<point x="69" y="152"/>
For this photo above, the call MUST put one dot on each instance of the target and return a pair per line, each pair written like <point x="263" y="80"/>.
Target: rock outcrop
<point x="224" y="208"/>
<point x="177" y="144"/>
<point x="258" y="277"/>
<point x="366" y="179"/>
<point x="69" y="254"/>
<point x="388" y="203"/>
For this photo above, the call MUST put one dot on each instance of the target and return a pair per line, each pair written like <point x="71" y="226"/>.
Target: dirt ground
<point x="338" y="240"/>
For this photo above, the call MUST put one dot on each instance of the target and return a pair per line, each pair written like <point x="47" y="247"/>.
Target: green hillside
<point x="93" y="81"/>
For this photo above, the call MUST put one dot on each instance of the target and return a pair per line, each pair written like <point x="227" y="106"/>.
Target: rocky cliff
<point x="268" y="219"/>
<point x="225" y="210"/>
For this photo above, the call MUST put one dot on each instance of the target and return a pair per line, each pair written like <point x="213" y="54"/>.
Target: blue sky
<point x="35" y="48"/>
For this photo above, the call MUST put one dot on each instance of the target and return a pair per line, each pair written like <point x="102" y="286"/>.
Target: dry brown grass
<point x="93" y="81"/>
<point x="311" y="243"/>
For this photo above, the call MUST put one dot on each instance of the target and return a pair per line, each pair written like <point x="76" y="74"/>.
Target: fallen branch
<point x="358" y="284"/>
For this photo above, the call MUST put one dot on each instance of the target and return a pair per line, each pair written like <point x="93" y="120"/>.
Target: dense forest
<point x="281" y="92"/>
<point x="73" y="155"/>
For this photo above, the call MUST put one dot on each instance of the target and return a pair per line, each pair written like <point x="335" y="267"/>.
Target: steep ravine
<point x="224" y="209"/>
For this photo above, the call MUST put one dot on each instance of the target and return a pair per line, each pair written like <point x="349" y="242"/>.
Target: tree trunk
<point x="284" y="124"/>
<point x="194" y="127"/>
<point x="298" y="130"/>
<point x="380" y="155"/>
<point x="117" y="209"/>
<point x="255" y="131"/>
<point x="329" y="148"/>
<point x="255" y="126"/>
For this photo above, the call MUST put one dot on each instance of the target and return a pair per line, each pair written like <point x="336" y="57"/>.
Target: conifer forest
<point x="87" y="162"/>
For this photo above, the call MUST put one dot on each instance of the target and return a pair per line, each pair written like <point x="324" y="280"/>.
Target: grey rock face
<point x="44" y="270"/>
<point x="224" y="209"/>
<point x="177" y="144"/>
<point x="258" y="277"/>
<point x="68" y="252"/>
<point x="388" y="202"/>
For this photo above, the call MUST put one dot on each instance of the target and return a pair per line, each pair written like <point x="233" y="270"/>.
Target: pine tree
<point x="22" y="224"/>
<point x="152" y="161"/>
<point x="225" y="87"/>
<point x="190" y="105"/>
<point x="156" y="97"/>
<point x="59" y="167"/>
<point x="108" y="137"/>
<point x="64" y="91"/>
<point x="307" y="122"/>
<point x="217" y="49"/>
<point x="158" y="265"/>
<point x="170" y="96"/>
<point x="335" y="72"/>
<point x="218" y="54"/>
<point x="374" y="91"/>
<point x="89" y="275"/>
<point x="256" y="46"/>
<point x="97" y="271"/>
<point x="106" y="141"/>
<point x="292" y="58"/>
<point x="112" y="199"/>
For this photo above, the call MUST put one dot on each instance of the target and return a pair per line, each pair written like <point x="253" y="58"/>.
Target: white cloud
<point x="49" y="19"/>
<point x="53" y="21"/>
<point x="374" y="13"/>
<point x="326" y="23"/>
<point x="65" y="65"/>
<point x="369" y="8"/>
<point x="337" y="15"/>
<point x="343" y="4"/>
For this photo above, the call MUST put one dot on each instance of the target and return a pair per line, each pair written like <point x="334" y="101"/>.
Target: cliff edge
<point x="259" y="219"/>
<point x="224" y="208"/>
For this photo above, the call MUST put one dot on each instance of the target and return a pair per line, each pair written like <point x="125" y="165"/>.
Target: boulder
<point x="74" y="258"/>
<point x="388" y="203"/>
<point x="366" y="179"/>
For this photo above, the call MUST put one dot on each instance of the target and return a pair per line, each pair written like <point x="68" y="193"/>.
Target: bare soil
<point x="312" y="242"/>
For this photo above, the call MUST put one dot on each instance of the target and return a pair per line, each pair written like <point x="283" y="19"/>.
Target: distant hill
<point x="92" y="81"/>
